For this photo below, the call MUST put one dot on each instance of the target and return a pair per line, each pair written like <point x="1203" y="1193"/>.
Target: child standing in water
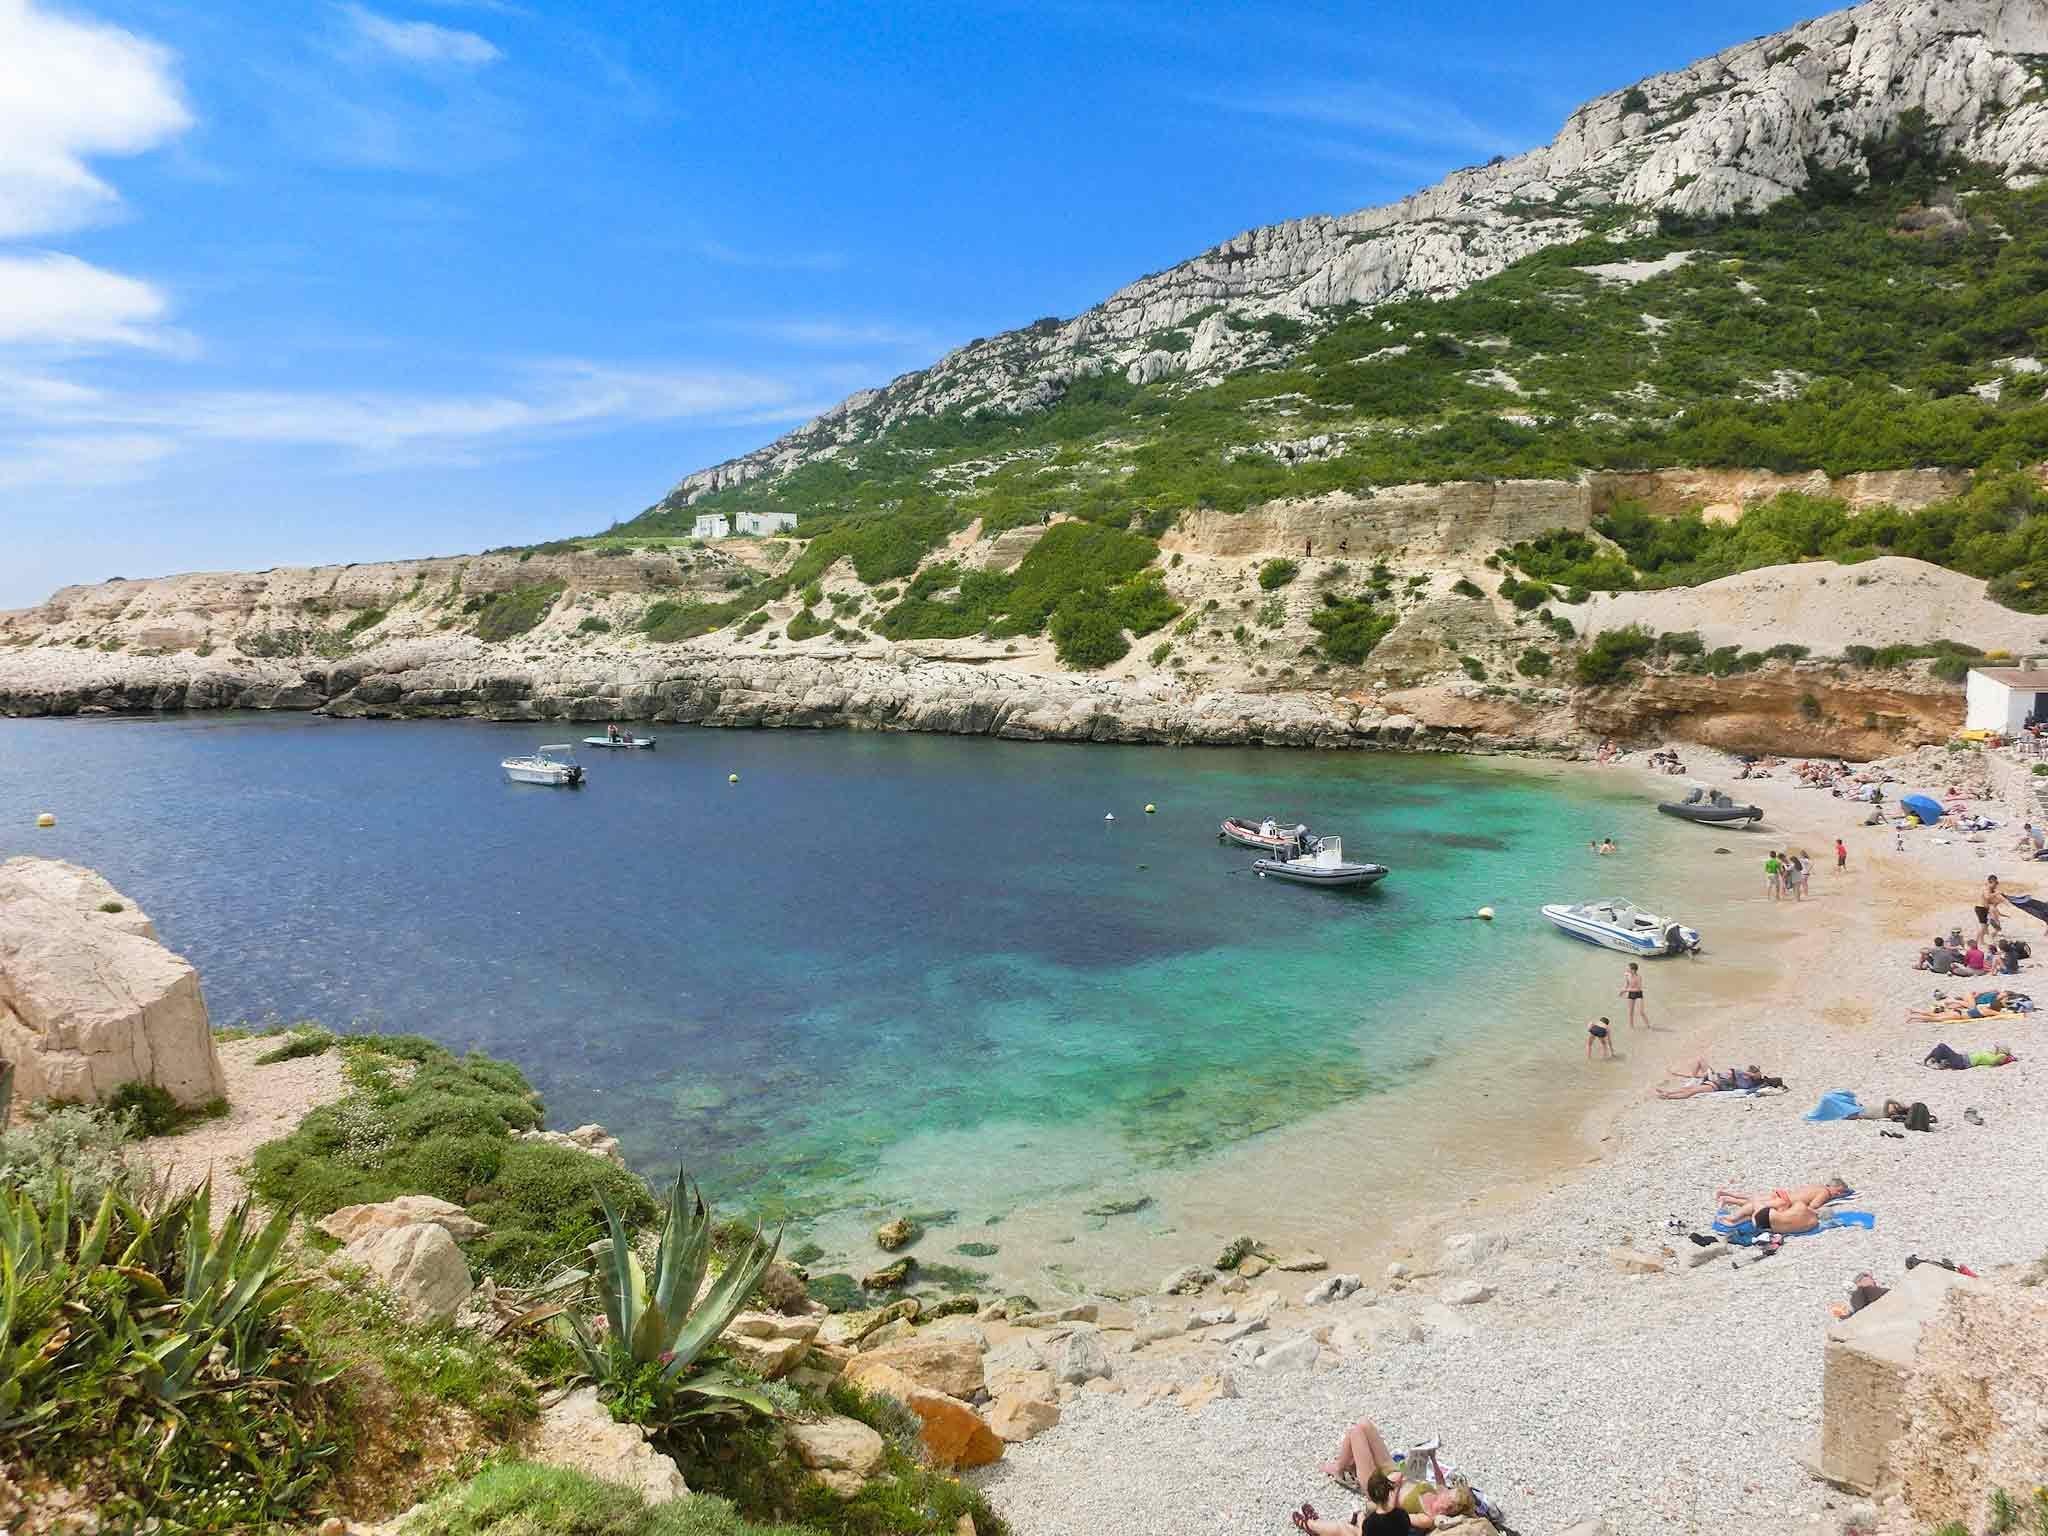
<point x="1632" y="989"/>
<point x="1601" y="1031"/>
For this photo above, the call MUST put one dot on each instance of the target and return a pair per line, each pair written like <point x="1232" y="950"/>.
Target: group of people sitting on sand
<point x="1951" y="956"/>
<point x="1666" y="761"/>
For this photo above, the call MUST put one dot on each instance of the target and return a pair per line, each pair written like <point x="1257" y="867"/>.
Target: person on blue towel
<point x="1782" y="1210"/>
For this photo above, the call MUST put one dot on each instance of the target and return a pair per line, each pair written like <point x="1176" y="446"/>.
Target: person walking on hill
<point x="1632" y="991"/>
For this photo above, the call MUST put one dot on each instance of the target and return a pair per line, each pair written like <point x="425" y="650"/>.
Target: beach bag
<point x="1919" y="1118"/>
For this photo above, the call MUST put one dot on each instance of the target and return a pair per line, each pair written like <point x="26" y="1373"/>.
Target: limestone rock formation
<point x="954" y="1435"/>
<point x="841" y="1453"/>
<point x="89" y="998"/>
<point x="1744" y="128"/>
<point x="353" y="1222"/>
<point x="419" y="1264"/>
<point x="579" y="1434"/>
<point x="949" y="1363"/>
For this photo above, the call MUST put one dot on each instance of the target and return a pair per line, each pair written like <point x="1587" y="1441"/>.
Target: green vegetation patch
<point x="506" y="615"/>
<point x="1350" y="627"/>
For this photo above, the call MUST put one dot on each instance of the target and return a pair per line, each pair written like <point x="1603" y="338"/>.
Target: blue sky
<point x="343" y="281"/>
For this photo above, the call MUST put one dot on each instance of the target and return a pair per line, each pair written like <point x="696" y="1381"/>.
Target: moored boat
<point x="1622" y="925"/>
<point x="1268" y="835"/>
<point x="540" y="768"/>
<point x="640" y="743"/>
<point x="1325" y="864"/>
<point x="1711" y="806"/>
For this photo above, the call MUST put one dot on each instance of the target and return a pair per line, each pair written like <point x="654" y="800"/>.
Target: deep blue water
<point x="868" y="939"/>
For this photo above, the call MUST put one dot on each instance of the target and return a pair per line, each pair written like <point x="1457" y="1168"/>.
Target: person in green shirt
<point x="1772" y="873"/>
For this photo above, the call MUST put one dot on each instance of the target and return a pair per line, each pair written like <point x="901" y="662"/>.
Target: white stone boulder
<point x="579" y="1434"/>
<point x="89" y="999"/>
<point x="352" y="1222"/>
<point x="421" y="1267"/>
<point x="841" y="1453"/>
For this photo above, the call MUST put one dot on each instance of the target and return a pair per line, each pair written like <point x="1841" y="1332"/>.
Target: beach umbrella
<point x="1929" y="811"/>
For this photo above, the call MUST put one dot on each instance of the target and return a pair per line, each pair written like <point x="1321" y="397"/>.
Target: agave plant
<point x="661" y="1330"/>
<point x="39" y="1268"/>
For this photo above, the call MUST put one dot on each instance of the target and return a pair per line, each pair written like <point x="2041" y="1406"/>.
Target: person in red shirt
<point x="1841" y="854"/>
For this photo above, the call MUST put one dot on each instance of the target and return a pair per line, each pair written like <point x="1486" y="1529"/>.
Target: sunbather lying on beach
<point x="1782" y="1210"/>
<point x="1962" y="1061"/>
<point x="1701" y="1078"/>
<point x="1977" y="1005"/>
<point x="1424" y="1495"/>
<point x="1382" y="1516"/>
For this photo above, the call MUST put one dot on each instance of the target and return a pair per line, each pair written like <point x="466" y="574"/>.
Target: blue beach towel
<point x="1743" y="1233"/>
<point x="1839" y="1105"/>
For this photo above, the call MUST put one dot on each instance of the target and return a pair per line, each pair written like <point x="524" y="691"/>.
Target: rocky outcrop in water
<point x="1744" y="128"/>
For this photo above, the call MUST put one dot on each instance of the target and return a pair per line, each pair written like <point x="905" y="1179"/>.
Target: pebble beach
<point x="1582" y="1388"/>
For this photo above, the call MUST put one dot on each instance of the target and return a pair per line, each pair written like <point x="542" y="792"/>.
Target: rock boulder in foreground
<point x="89" y="999"/>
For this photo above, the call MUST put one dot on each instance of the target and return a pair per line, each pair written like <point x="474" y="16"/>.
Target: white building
<point x="767" y="522"/>
<point x="711" y="525"/>
<point x="2000" y="698"/>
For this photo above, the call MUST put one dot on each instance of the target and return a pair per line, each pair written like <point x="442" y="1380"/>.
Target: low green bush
<point x="78" y="1144"/>
<point x="594" y="624"/>
<point x="1465" y="588"/>
<point x="1533" y="663"/>
<point x="1608" y="659"/>
<point x="148" y="1109"/>
<point x="516" y="1498"/>
<point x="303" y="1040"/>
<point x="1275" y="574"/>
<point x="511" y="613"/>
<point x="1350" y="627"/>
<point x="1474" y="668"/>
<point x="806" y="626"/>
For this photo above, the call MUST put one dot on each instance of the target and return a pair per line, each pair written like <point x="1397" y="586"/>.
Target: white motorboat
<point x="1622" y="925"/>
<point x="640" y="743"/>
<point x="1323" y="865"/>
<point x="540" y="768"/>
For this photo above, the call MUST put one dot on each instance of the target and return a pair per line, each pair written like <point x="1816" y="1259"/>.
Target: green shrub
<point x="1275" y="574"/>
<point x="1160" y="652"/>
<point x="594" y="624"/>
<point x="75" y="1143"/>
<point x="1683" y="642"/>
<point x="517" y="1498"/>
<point x="1533" y="663"/>
<point x="1350" y="627"/>
<point x="1465" y="588"/>
<point x="1607" y="660"/>
<point x="1474" y="668"/>
<point x="509" y="614"/>
<point x="368" y="618"/>
<point x="668" y="622"/>
<point x="1633" y="100"/>
<point x="148" y="1109"/>
<point x="806" y="626"/>
<point x="1087" y="636"/>
<point x="111" y="907"/>
<point x="304" y="1040"/>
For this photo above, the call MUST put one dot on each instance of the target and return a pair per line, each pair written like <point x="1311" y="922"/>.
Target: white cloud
<point x="49" y="299"/>
<point x="772" y="261"/>
<point x="83" y="459"/>
<point x="422" y="42"/>
<point x="553" y="397"/>
<point x="70" y="90"/>
<point x="1373" y="109"/>
<point x="837" y="333"/>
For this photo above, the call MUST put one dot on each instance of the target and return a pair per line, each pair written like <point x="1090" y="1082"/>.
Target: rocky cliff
<point x="1744" y="128"/>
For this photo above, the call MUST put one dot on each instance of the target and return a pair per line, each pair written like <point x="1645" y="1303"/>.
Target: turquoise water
<point x="872" y="953"/>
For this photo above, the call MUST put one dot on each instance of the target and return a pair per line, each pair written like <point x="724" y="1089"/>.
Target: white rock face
<point x="353" y="1222"/>
<point x="419" y="1264"/>
<point x="89" y="999"/>
<point x="1740" y="128"/>
<point x="579" y="1434"/>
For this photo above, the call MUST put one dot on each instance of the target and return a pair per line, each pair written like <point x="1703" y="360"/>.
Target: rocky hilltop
<point x="1743" y="129"/>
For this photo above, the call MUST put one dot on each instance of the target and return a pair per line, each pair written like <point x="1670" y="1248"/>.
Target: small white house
<point x="765" y="523"/>
<point x="2001" y="698"/>
<point x="711" y="525"/>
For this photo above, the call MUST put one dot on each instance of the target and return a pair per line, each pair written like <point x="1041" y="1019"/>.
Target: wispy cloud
<point x="70" y="90"/>
<point x="52" y="300"/>
<point x="1370" y="109"/>
<point x="837" y="333"/>
<point x="82" y="459"/>
<point x="772" y="261"/>
<point x="551" y="397"/>
<point x="421" y="42"/>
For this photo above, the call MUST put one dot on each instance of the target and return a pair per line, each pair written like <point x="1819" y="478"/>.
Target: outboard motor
<point x="1674" y="940"/>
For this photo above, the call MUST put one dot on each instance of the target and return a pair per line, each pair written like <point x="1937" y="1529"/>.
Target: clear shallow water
<point x="880" y="967"/>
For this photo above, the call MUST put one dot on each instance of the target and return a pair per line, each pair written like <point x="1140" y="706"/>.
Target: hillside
<point x="1337" y="474"/>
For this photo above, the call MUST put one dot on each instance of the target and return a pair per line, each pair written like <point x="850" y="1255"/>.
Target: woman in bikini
<point x="1704" y="1079"/>
<point x="1423" y="1499"/>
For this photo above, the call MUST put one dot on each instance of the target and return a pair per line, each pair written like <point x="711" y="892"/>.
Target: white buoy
<point x="1484" y="914"/>
<point x="1109" y="815"/>
<point x="46" y="820"/>
<point x="732" y="778"/>
<point x="1151" y="809"/>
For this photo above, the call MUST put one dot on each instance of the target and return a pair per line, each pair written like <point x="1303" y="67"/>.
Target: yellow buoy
<point x="732" y="778"/>
<point x="1485" y="914"/>
<point x="1151" y="810"/>
<point x="46" y="820"/>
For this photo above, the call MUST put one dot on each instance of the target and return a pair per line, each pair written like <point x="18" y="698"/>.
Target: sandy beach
<point x="1680" y="1400"/>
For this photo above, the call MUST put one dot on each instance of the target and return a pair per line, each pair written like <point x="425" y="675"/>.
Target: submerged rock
<point x="889" y="1277"/>
<point x="900" y="1233"/>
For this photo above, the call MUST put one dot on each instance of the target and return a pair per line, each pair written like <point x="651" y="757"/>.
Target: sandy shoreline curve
<point x="1676" y="1401"/>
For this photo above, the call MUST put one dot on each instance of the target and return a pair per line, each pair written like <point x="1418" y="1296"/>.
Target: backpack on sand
<point x="1918" y="1118"/>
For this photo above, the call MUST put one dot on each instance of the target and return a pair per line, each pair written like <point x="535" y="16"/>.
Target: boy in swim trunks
<point x="1600" y="1030"/>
